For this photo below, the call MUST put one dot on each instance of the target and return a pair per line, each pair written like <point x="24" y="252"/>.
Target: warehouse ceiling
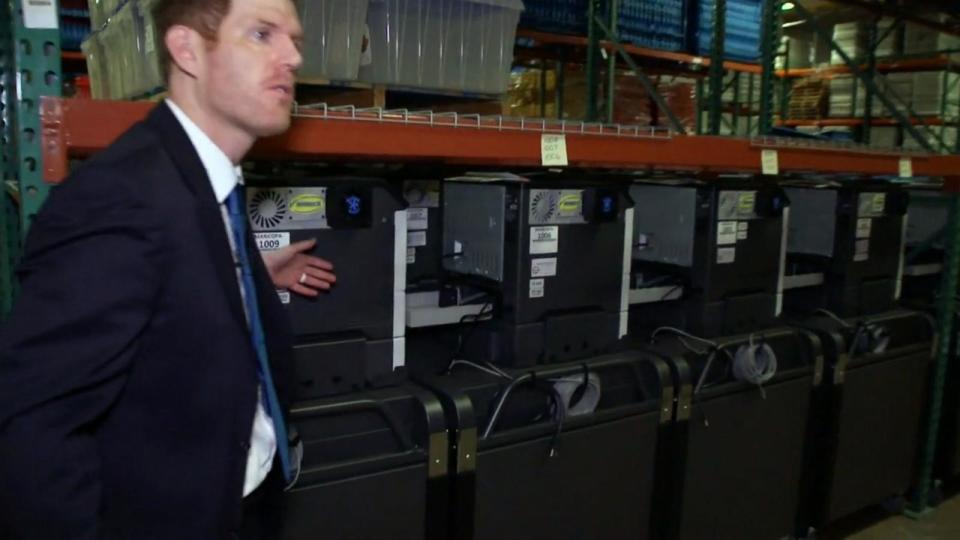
<point x="946" y="12"/>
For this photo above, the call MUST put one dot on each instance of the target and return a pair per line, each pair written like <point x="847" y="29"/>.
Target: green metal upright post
<point x="593" y="50"/>
<point x="945" y="89"/>
<point x="700" y="108"/>
<point x="561" y="91"/>
<point x="786" y="85"/>
<point x="717" y="53"/>
<point x="31" y="69"/>
<point x="614" y="17"/>
<point x="750" y="109"/>
<point x="736" y="103"/>
<point x="946" y="306"/>
<point x="38" y="73"/>
<point x="871" y="73"/>
<point x="9" y="217"/>
<point x="769" y="44"/>
<point x="543" y="88"/>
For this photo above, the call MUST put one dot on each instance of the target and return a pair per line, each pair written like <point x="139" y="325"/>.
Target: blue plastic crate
<point x="659" y="24"/>
<point x="72" y="33"/>
<point x="743" y="29"/>
<point x="562" y="16"/>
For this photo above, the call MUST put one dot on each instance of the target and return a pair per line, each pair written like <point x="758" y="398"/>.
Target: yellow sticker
<point x="307" y="204"/>
<point x="769" y="162"/>
<point x="906" y="168"/>
<point x="747" y="202"/>
<point x="553" y="150"/>
<point x="570" y="203"/>
<point x="879" y="202"/>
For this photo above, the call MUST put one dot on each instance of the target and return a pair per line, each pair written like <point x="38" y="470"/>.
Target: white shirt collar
<point x="223" y="174"/>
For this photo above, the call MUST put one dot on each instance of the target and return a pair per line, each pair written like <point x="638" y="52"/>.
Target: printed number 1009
<point x="268" y="244"/>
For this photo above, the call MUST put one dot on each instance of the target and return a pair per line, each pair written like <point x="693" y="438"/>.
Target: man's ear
<point x="185" y="47"/>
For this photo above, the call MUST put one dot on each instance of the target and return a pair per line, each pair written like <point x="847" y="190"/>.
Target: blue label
<point x="354" y="205"/>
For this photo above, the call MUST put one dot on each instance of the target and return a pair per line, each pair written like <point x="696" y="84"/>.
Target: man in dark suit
<point x="142" y="371"/>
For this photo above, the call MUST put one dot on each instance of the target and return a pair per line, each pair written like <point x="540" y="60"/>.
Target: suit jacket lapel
<point x="194" y="176"/>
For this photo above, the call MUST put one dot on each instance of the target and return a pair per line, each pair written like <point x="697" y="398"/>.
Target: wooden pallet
<point x="364" y="95"/>
<point x="809" y="99"/>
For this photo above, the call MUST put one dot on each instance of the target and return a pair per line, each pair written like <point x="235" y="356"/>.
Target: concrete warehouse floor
<point x="941" y="524"/>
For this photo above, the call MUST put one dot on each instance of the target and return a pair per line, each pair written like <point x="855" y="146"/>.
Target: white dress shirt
<point x="224" y="176"/>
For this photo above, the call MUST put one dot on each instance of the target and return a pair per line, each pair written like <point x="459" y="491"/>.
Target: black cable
<point x="580" y="390"/>
<point x="559" y="413"/>
<point x="503" y="398"/>
<point x="461" y="338"/>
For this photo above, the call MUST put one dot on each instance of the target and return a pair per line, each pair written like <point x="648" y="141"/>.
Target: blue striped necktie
<point x="238" y="222"/>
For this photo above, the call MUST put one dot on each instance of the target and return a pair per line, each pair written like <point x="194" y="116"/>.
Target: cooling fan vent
<point x="268" y="209"/>
<point x="543" y="207"/>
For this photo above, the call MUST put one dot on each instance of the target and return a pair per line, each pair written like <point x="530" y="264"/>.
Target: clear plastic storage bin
<point x="151" y="41"/>
<point x="109" y="8"/>
<point x="125" y="36"/>
<point x="461" y="45"/>
<point x="333" y="38"/>
<point x="110" y="42"/>
<point x="96" y="69"/>
<point x="98" y="14"/>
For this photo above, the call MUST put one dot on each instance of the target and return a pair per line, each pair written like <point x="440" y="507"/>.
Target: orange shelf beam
<point x="79" y="128"/>
<point x="73" y="55"/>
<point x="643" y="52"/>
<point x="854" y="122"/>
<point x="935" y="63"/>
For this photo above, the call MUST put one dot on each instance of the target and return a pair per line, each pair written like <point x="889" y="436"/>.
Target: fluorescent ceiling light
<point x="787" y="6"/>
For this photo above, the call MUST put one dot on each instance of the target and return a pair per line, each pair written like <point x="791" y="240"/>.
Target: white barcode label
<point x="536" y="288"/>
<point x="270" y="241"/>
<point x="418" y="219"/>
<point x="544" y="240"/>
<point x="543" y="268"/>
<point x="726" y="233"/>
<point x="726" y="255"/>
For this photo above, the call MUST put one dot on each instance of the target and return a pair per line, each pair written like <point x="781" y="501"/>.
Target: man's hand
<point x="291" y="268"/>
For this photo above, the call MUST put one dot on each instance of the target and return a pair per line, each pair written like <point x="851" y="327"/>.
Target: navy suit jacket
<point x="128" y="381"/>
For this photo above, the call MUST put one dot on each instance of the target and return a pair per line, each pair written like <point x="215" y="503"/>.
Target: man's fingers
<point x="319" y="278"/>
<point x="303" y="245"/>
<point x="317" y="262"/>
<point x="304" y="291"/>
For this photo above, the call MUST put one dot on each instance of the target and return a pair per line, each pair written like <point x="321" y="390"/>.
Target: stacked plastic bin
<point x="117" y="50"/>
<point x="152" y="72"/>
<point x="93" y="52"/>
<point x="123" y="51"/>
<point x="74" y="23"/>
<point x="456" y="45"/>
<point x="563" y="16"/>
<point x="659" y="24"/>
<point x="101" y="10"/>
<point x="333" y="41"/>
<point x="743" y="29"/>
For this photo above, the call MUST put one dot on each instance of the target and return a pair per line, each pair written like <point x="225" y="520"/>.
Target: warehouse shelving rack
<point x="716" y="76"/>
<point x="37" y="153"/>
<point x="868" y="70"/>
